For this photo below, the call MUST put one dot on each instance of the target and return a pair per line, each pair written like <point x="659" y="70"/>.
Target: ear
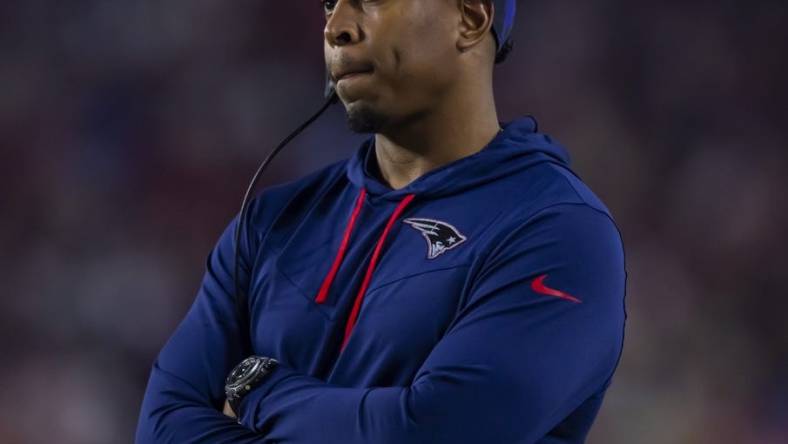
<point x="476" y="20"/>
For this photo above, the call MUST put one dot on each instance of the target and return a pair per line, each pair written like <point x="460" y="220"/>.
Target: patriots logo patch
<point x="441" y="236"/>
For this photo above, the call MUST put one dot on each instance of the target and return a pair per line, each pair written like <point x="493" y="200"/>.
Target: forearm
<point x="296" y="408"/>
<point x="173" y="412"/>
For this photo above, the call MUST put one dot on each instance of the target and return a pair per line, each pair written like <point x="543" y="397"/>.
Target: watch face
<point x="242" y="372"/>
<point x="246" y="376"/>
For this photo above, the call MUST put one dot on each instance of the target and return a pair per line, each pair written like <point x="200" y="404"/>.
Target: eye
<point x="328" y="5"/>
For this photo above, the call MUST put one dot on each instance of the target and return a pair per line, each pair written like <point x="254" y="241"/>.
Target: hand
<point x="228" y="411"/>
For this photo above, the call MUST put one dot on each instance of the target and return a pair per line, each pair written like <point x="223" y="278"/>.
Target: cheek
<point x="429" y="34"/>
<point x="423" y="58"/>
<point x="416" y="54"/>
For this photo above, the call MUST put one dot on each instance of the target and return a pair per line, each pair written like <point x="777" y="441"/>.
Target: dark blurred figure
<point x="128" y="130"/>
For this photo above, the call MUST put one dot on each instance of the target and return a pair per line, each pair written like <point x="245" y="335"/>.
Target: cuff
<point x="251" y="403"/>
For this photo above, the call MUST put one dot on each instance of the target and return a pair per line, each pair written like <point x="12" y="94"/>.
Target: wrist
<point x="247" y="375"/>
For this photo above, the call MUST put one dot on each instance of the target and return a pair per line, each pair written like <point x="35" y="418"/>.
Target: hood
<point x="517" y="147"/>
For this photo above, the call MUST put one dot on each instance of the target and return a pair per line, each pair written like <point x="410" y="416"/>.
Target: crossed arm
<point x="511" y="366"/>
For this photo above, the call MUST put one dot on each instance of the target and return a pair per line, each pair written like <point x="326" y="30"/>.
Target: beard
<point x="364" y="120"/>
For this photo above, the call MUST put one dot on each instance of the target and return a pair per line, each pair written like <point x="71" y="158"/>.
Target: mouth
<point x="353" y="75"/>
<point x="351" y="70"/>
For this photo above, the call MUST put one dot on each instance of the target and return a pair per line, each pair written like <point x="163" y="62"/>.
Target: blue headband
<point x="503" y="22"/>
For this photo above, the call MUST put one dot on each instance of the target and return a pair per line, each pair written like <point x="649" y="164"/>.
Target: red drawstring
<point x="371" y="268"/>
<point x="322" y="295"/>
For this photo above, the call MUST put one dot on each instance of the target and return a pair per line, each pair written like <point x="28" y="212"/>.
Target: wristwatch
<point x="246" y="376"/>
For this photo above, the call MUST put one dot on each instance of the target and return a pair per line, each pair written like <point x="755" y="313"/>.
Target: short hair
<point x="504" y="51"/>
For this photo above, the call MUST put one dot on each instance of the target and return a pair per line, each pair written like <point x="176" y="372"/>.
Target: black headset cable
<point x="240" y="294"/>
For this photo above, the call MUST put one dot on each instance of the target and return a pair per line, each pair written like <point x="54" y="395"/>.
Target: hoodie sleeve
<point x="540" y="331"/>
<point x="185" y="393"/>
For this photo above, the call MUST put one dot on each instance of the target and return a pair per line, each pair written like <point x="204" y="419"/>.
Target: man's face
<point x="403" y="54"/>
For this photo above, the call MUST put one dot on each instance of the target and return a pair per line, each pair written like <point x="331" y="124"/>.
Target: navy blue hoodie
<point x="482" y="303"/>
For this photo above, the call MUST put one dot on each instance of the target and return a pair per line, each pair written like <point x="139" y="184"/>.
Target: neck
<point x="459" y="127"/>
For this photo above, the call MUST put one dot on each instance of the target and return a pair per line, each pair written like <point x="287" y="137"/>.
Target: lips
<point x="352" y="75"/>
<point x="350" y="70"/>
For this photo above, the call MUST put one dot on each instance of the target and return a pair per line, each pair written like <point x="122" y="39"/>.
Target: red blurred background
<point x="128" y="130"/>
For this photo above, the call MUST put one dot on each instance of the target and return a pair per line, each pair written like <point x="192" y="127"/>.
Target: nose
<point x="342" y="26"/>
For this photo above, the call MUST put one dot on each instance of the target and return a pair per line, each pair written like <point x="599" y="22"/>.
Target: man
<point x="452" y="282"/>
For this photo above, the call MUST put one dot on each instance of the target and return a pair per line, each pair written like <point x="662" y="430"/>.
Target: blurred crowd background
<point x="129" y="129"/>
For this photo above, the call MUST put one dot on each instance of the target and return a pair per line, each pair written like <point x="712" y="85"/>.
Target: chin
<point x="364" y="119"/>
